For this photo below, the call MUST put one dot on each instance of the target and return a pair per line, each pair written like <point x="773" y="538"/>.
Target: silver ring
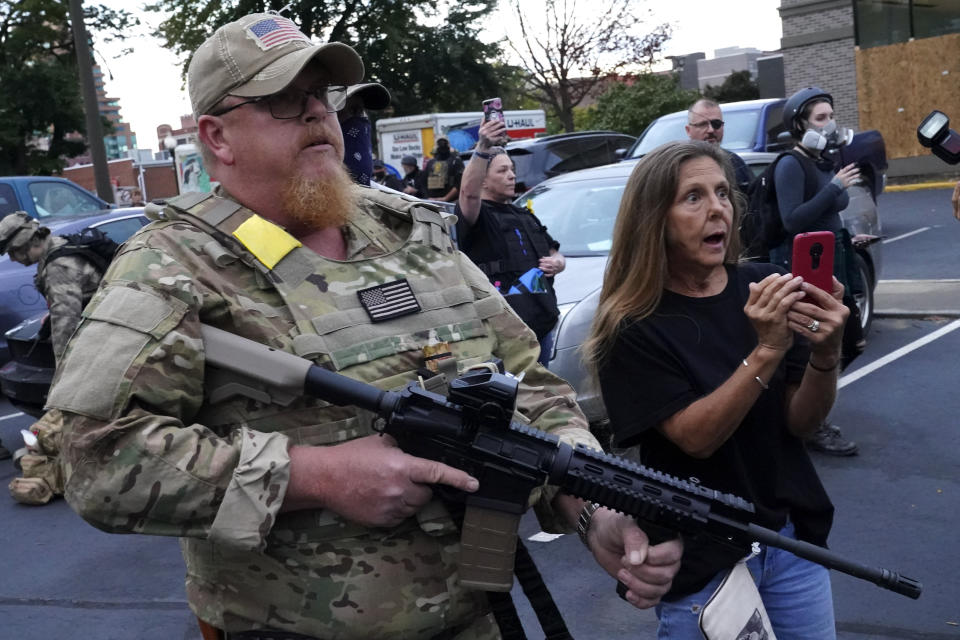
<point x="814" y="325"/>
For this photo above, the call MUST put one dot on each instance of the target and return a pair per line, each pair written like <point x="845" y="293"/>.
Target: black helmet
<point x="796" y="104"/>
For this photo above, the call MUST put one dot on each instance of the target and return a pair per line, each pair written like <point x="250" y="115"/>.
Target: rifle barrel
<point x="881" y="577"/>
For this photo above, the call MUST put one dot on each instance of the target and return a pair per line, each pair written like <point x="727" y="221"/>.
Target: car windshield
<point x="739" y="131"/>
<point x="579" y="215"/>
<point x="58" y="200"/>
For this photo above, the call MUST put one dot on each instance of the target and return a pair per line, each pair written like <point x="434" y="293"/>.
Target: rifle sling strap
<point x="505" y="613"/>
<point x="539" y="596"/>
<point x="540" y="599"/>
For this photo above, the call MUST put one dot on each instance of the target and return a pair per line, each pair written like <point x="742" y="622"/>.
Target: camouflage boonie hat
<point x="261" y="54"/>
<point x="16" y="229"/>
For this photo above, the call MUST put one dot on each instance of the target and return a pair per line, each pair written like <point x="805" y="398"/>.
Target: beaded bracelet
<point x="824" y="369"/>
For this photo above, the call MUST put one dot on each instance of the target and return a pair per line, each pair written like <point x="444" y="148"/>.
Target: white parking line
<point x="906" y="235"/>
<point x="11" y="415"/>
<point x="899" y="353"/>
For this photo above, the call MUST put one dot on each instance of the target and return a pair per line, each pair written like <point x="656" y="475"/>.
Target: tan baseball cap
<point x="261" y="54"/>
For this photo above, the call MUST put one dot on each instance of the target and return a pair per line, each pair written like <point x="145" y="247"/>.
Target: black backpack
<point x="761" y="228"/>
<point x="95" y="246"/>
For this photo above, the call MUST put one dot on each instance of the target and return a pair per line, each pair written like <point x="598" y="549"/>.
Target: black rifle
<point x="472" y="430"/>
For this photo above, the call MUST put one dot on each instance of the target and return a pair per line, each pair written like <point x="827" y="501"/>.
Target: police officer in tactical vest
<point x="296" y="519"/>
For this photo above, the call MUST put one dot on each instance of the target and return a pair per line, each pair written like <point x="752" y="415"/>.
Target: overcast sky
<point x="148" y="86"/>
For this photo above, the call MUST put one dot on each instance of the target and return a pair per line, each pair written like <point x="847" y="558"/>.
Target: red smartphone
<point x="813" y="258"/>
<point x="492" y="109"/>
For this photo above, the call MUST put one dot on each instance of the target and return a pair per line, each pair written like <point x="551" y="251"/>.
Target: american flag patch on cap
<point x="390" y="300"/>
<point x="272" y="32"/>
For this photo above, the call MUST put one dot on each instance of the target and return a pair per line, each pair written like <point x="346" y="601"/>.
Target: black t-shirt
<point x="684" y="351"/>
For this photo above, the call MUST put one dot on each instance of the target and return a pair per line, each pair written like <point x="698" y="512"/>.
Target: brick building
<point x="159" y="178"/>
<point x="818" y="49"/>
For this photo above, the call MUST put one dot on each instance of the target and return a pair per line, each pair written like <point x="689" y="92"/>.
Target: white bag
<point x="735" y="610"/>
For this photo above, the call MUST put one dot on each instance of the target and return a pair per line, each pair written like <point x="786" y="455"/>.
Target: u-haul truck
<point x="416" y="135"/>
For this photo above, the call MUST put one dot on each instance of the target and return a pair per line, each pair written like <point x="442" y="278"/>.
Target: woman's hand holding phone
<point x="820" y="317"/>
<point x="767" y="307"/>
<point x="491" y="132"/>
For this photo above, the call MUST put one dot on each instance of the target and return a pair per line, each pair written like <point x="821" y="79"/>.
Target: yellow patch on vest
<point x="265" y="240"/>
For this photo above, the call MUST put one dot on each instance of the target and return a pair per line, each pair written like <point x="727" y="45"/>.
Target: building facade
<point x="818" y="50"/>
<point x="888" y="63"/>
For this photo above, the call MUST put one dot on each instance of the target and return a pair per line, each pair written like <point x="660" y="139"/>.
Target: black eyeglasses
<point x="716" y="124"/>
<point x="292" y="102"/>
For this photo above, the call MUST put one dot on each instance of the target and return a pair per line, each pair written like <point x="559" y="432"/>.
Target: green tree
<point x="737" y="86"/>
<point x="426" y="52"/>
<point x="631" y="105"/>
<point x="568" y="54"/>
<point x="40" y="104"/>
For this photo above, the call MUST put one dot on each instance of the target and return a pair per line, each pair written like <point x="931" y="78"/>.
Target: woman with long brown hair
<point x="716" y="370"/>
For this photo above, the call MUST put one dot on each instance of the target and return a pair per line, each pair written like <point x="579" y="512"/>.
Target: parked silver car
<point x="579" y="209"/>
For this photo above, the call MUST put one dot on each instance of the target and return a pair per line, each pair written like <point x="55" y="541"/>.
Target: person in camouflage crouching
<point x="67" y="282"/>
<point x="297" y="520"/>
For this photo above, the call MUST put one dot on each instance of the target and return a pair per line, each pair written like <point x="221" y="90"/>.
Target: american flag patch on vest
<point x="272" y="32"/>
<point x="390" y="300"/>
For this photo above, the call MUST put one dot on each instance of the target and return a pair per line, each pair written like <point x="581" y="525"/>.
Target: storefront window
<point x="936" y="18"/>
<point x="881" y="22"/>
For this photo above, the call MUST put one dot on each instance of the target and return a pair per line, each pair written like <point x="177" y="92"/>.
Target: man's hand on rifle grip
<point x="623" y="550"/>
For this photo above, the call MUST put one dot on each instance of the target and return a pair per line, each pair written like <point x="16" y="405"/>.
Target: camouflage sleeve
<point x="63" y="289"/>
<point x="545" y="400"/>
<point x="129" y="386"/>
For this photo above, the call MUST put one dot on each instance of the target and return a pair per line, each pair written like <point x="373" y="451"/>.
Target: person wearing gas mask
<point x="356" y="126"/>
<point x="811" y="193"/>
<point x="440" y="179"/>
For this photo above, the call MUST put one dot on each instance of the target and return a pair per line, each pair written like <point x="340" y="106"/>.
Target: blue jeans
<point x="546" y="347"/>
<point x="796" y="594"/>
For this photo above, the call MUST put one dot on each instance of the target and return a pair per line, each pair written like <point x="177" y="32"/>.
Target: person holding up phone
<point x="811" y="193"/>
<point x="716" y="370"/>
<point x="507" y="242"/>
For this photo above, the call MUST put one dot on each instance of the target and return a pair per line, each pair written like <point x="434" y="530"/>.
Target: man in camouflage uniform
<point x="294" y="515"/>
<point x="67" y="282"/>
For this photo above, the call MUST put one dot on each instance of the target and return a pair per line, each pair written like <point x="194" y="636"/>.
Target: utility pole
<point x="90" y="107"/>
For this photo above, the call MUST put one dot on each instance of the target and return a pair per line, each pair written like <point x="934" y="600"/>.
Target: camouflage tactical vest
<point x="333" y="326"/>
<point x="338" y="309"/>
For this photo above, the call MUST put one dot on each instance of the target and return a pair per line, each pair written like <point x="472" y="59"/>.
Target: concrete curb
<point x="918" y="186"/>
<point x="916" y="315"/>
<point x="917" y="299"/>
